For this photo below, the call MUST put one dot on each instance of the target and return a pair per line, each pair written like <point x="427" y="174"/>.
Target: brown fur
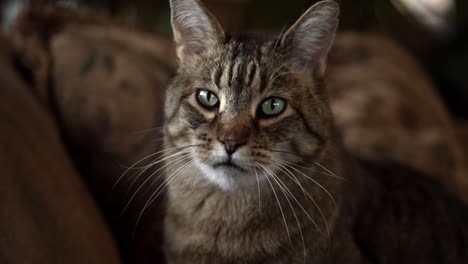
<point x="221" y="220"/>
<point x="46" y="213"/>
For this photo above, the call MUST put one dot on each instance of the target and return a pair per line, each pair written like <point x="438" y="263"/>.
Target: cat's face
<point x="244" y="106"/>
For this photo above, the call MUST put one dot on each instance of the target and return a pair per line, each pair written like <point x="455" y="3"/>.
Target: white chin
<point x="227" y="179"/>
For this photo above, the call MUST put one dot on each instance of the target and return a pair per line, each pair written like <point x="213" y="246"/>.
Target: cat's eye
<point x="272" y="107"/>
<point x="207" y="99"/>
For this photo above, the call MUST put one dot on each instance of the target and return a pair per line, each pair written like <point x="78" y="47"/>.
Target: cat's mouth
<point x="228" y="165"/>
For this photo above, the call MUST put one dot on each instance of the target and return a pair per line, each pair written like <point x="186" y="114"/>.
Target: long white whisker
<point x="329" y="171"/>
<point x="310" y="197"/>
<point x="309" y="169"/>
<point x="314" y="181"/>
<point x="157" y="161"/>
<point x="147" y="130"/>
<point x="164" y="152"/>
<point x="250" y="167"/>
<point x="147" y="157"/>
<point x="283" y="188"/>
<point x="277" y="199"/>
<point x="320" y="210"/>
<point x="258" y="189"/>
<point x="161" y="188"/>
<point x="169" y="179"/>
<point x="170" y="164"/>
<point x="178" y="172"/>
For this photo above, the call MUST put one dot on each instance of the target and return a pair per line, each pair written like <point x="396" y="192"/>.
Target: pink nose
<point x="233" y="138"/>
<point x="232" y="145"/>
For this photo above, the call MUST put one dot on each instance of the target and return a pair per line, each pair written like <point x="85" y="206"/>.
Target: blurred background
<point x="435" y="31"/>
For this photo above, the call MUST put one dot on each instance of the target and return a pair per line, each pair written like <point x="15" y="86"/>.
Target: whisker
<point x="258" y="189"/>
<point x="170" y="164"/>
<point x="147" y="157"/>
<point x="329" y="171"/>
<point x="310" y="169"/>
<point x="283" y="188"/>
<point x="160" y="175"/>
<point x="157" y="161"/>
<point x="305" y="193"/>
<point x="311" y="179"/>
<point x="250" y="167"/>
<point x="284" y="151"/>
<point x="147" y="130"/>
<point x="278" y="201"/>
<point x="155" y="194"/>
<point x="311" y="198"/>
<point x="131" y="167"/>
<point x="170" y="179"/>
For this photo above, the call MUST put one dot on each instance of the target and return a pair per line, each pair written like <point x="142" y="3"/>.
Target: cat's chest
<point x="229" y="232"/>
<point x="217" y="237"/>
<point x="220" y="243"/>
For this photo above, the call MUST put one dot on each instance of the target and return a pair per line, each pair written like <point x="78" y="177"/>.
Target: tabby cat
<point x="256" y="172"/>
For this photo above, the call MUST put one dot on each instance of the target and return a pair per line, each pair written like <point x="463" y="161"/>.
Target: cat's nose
<point x="233" y="138"/>
<point x="231" y="145"/>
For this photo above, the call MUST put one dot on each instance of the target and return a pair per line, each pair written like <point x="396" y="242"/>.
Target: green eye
<point x="273" y="106"/>
<point x="207" y="99"/>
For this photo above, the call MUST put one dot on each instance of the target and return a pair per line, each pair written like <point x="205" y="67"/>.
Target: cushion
<point x="387" y="109"/>
<point x="104" y="82"/>
<point x="47" y="215"/>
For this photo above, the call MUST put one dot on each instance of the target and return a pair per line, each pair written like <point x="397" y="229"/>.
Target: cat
<point x="98" y="166"/>
<point x="256" y="172"/>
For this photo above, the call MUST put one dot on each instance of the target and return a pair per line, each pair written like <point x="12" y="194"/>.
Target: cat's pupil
<point x="273" y="104"/>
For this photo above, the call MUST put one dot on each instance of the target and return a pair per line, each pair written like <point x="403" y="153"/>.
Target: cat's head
<point x="239" y="107"/>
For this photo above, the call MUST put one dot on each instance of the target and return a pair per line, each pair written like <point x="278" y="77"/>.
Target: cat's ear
<point x="195" y="29"/>
<point x="310" y="39"/>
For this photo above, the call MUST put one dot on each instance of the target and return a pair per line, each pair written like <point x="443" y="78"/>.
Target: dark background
<point x="441" y="49"/>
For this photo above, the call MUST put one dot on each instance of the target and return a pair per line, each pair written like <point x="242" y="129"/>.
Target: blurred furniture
<point x="47" y="215"/>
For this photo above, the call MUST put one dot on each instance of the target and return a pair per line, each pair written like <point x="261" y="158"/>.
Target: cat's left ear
<point x="195" y="28"/>
<point x="312" y="36"/>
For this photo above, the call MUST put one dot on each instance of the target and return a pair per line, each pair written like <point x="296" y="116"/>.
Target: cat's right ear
<point x="195" y="28"/>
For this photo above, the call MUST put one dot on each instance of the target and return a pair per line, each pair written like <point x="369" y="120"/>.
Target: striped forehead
<point x="241" y="68"/>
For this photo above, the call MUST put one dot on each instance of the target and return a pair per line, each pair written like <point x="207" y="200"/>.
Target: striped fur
<point x="243" y="71"/>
